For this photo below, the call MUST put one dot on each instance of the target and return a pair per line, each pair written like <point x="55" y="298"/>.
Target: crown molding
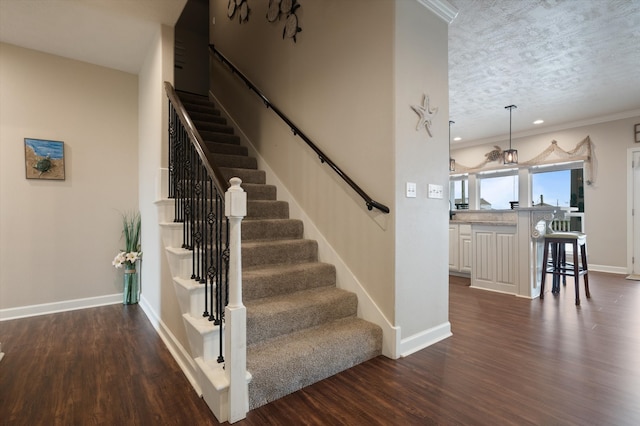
<point x="442" y="8"/>
<point x="550" y="129"/>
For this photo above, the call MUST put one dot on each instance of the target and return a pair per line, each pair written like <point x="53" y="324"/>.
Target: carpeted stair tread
<point x="193" y="98"/>
<point x="201" y="113"/>
<point x="199" y="105"/>
<point x="288" y="363"/>
<point x="218" y="137"/>
<point x="257" y="191"/>
<point x="235" y="161"/>
<point x="260" y="282"/>
<point x="271" y="317"/>
<point x="207" y="126"/>
<point x="267" y="209"/>
<point x="278" y="252"/>
<point x="247" y="175"/>
<point x="226" y="148"/>
<point x="271" y="229"/>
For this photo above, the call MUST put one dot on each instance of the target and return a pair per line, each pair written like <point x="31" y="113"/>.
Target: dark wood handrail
<point x="371" y="203"/>
<point x="207" y="159"/>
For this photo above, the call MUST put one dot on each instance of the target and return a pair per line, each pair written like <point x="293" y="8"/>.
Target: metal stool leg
<point x="583" y="255"/>
<point x="576" y="274"/>
<point x="545" y="259"/>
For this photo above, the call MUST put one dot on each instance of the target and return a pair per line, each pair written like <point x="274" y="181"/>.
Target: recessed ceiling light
<point x="457" y="138"/>
<point x="538" y="122"/>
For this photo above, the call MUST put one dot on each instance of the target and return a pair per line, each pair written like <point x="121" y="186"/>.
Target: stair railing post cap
<point x="235" y="199"/>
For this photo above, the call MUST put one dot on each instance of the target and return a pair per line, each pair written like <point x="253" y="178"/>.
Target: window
<point x="558" y="185"/>
<point x="498" y="189"/>
<point x="561" y="185"/>
<point x="460" y="190"/>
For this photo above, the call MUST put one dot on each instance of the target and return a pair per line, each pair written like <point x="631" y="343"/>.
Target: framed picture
<point x="637" y="131"/>
<point x="44" y="159"/>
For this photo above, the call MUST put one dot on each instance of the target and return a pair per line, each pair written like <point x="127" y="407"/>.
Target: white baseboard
<point x="63" y="306"/>
<point x="179" y="353"/>
<point x="367" y="308"/>
<point x="608" y="269"/>
<point x="425" y="338"/>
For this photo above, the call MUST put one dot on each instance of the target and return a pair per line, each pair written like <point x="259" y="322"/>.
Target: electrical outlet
<point x="435" y="191"/>
<point x="411" y="190"/>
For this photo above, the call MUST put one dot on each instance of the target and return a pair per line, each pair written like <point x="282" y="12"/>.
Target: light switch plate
<point x="435" y="191"/>
<point x="411" y="190"/>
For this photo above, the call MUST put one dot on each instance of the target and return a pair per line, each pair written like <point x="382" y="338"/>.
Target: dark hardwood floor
<point x="510" y="361"/>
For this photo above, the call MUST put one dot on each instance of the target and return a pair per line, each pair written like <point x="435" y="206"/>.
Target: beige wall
<point x="336" y="84"/>
<point x="58" y="238"/>
<point x="605" y="200"/>
<point x="421" y="254"/>
<point x="349" y="82"/>
<point x="159" y="299"/>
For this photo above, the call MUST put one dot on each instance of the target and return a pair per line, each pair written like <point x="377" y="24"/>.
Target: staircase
<point x="301" y="328"/>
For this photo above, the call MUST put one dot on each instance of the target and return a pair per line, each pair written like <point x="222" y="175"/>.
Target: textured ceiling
<point x="111" y="33"/>
<point x="562" y="61"/>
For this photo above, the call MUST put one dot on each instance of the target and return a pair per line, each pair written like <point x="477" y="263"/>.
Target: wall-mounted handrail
<point x="370" y="202"/>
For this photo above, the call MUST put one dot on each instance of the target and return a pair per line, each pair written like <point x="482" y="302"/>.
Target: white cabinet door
<point x="493" y="264"/>
<point x="454" y="261"/>
<point x="465" y="253"/>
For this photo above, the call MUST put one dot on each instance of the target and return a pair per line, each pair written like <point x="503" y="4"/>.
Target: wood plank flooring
<point x="510" y="361"/>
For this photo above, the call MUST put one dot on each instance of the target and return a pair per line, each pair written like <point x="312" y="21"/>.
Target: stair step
<point x="193" y="98"/>
<point x="235" y="161"/>
<point x="202" y="113"/>
<point x="218" y="137"/>
<point x="247" y="175"/>
<point x="287" y="313"/>
<point x="281" y="279"/>
<point x="319" y="352"/>
<point x="262" y="253"/>
<point x="226" y="148"/>
<point x="256" y="191"/>
<point x="271" y="229"/>
<point x="267" y="209"/>
<point x="212" y="126"/>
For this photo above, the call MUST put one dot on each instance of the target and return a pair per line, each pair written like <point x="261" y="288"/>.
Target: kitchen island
<point x="500" y="250"/>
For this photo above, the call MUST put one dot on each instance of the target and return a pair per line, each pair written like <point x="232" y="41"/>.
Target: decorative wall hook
<point x="425" y="113"/>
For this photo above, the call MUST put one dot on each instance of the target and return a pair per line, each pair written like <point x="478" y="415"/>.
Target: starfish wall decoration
<point x="425" y="113"/>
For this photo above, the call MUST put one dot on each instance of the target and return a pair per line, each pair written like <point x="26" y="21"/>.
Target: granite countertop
<point x="482" y="222"/>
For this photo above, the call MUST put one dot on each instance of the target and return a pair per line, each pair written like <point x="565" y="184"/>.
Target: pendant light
<point x="452" y="162"/>
<point x="510" y="155"/>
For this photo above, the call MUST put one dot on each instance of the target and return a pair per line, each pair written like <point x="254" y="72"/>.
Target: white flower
<point x="126" y="257"/>
<point x="132" y="256"/>
<point x="118" y="260"/>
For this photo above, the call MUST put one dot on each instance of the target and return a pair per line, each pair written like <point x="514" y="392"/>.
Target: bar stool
<point x="558" y="265"/>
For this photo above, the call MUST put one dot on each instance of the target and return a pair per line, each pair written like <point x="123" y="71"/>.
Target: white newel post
<point x="235" y="208"/>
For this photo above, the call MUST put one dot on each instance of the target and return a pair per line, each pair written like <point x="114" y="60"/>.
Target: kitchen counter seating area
<point x="501" y="250"/>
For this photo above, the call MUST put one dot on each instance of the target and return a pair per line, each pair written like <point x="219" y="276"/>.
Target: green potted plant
<point x="129" y="257"/>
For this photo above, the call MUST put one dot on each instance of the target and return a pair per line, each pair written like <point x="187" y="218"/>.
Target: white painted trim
<point x="367" y="308"/>
<point x="62" y="306"/>
<point x="608" y="269"/>
<point x="442" y="8"/>
<point x="179" y="353"/>
<point x="630" y="201"/>
<point x="424" y="339"/>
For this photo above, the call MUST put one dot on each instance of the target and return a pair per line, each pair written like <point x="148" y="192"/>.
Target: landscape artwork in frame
<point x="44" y="159"/>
